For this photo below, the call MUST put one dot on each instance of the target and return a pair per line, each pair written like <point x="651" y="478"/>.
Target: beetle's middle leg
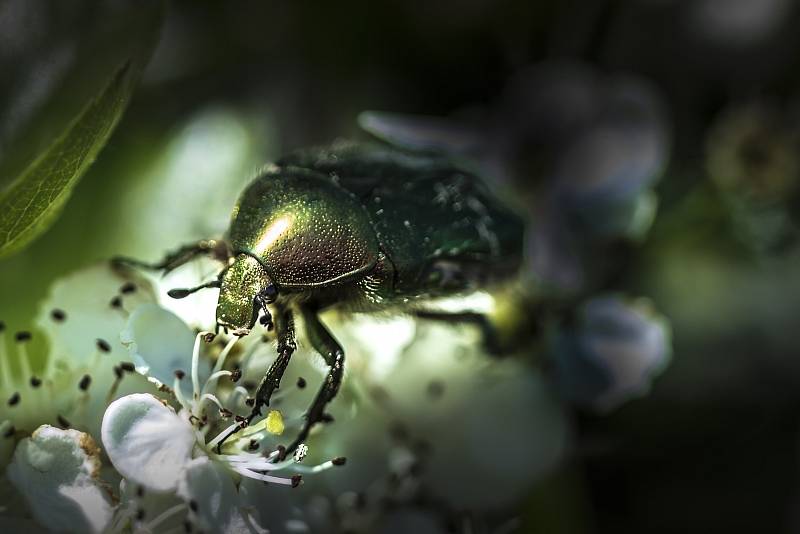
<point x="324" y="343"/>
<point x="284" y="329"/>
<point x="217" y="249"/>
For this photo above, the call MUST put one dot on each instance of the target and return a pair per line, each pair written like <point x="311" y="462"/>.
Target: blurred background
<point x="668" y="131"/>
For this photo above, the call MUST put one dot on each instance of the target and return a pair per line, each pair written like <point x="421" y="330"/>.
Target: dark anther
<point x="58" y="315"/>
<point x="2" y="326"/>
<point x="127" y="288"/>
<point x="264" y="320"/>
<point x="118" y="372"/>
<point x="379" y="394"/>
<point x="84" y="383"/>
<point x="341" y="460"/>
<point x="253" y="445"/>
<point x="62" y="421"/>
<point x="103" y="346"/>
<point x="140" y="491"/>
<point x="36" y="381"/>
<point x="281" y="453"/>
<point x="301" y="382"/>
<point x="140" y="514"/>
<point x="224" y="412"/>
<point x="208" y="337"/>
<point x="14" y="399"/>
<point x="193" y="505"/>
<point x="422" y="448"/>
<point x="241" y="420"/>
<point x="296" y="480"/>
<point x="398" y="431"/>
<point x="415" y="469"/>
<point x="128" y="367"/>
<point x="435" y="389"/>
<point x="22" y="336"/>
<point x="116" y="302"/>
<point x="236" y="374"/>
<point x="10" y="431"/>
<point x="250" y="401"/>
<point x="179" y="374"/>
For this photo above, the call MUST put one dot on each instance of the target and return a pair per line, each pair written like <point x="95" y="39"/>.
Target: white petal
<point x="490" y="424"/>
<point x="159" y="343"/>
<point x="209" y="486"/>
<point x="57" y="472"/>
<point x="85" y="296"/>
<point x="146" y="441"/>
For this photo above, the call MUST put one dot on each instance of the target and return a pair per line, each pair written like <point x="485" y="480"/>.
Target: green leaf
<point x="46" y="156"/>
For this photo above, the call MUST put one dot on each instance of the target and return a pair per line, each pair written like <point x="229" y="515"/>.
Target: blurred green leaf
<point x="61" y="113"/>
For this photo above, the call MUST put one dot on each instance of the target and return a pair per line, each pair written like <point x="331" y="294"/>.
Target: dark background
<point x="714" y="448"/>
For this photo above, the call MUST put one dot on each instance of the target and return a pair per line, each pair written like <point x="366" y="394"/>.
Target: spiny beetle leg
<point x="176" y="258"/>
<point x="284" y="328"/>
<point x="324" y="343"/>
<point x="488" y="332"/>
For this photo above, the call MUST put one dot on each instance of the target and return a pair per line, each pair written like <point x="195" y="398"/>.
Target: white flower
<point x="85" y="367"/>
<point x="182" y="452"/>
<point x="57" y="471"/>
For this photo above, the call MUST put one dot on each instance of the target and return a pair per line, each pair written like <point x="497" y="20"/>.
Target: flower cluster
<point x="161" y="444"/>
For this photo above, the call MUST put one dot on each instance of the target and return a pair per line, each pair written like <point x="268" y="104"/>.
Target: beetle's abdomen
<point x="438" y="224"/>
<point x="305" y="229"/>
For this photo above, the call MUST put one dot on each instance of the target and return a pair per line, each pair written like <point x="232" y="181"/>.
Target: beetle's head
<point x="245" y="290"/>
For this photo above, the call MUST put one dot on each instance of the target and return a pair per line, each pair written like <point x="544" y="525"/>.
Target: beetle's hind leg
<point x="207" y="247"/>
<point x="491" y="339"/>
<point x="324" y="343"/>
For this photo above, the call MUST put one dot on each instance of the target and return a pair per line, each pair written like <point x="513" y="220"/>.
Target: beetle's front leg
<point x="217" y="249"/>
<point x="284" y="329"/>
<point x="324" y="343"/>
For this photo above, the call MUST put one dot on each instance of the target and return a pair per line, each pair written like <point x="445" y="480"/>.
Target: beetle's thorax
<point x="304" y="229"/>
<point x="243" y="280"/>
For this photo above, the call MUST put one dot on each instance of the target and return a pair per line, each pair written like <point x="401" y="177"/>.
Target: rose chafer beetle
<point x="359" y="226"/>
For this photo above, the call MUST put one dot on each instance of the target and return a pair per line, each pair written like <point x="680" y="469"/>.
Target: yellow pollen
<point x="275" y="422"/>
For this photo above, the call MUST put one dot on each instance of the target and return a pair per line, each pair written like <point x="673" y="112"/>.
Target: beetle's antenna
<point x="179" y="293"/>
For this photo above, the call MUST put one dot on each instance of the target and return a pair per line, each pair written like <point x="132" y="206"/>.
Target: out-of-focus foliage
<point x="62" y="102"/>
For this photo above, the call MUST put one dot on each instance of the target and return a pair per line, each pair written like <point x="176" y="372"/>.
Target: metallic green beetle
<point x="364" y="227"/>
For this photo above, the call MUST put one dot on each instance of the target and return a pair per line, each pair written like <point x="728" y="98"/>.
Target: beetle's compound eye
<point x="270" y="292"/>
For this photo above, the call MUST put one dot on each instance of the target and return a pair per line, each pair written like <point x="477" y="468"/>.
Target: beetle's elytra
<point x="365" y="227"/>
